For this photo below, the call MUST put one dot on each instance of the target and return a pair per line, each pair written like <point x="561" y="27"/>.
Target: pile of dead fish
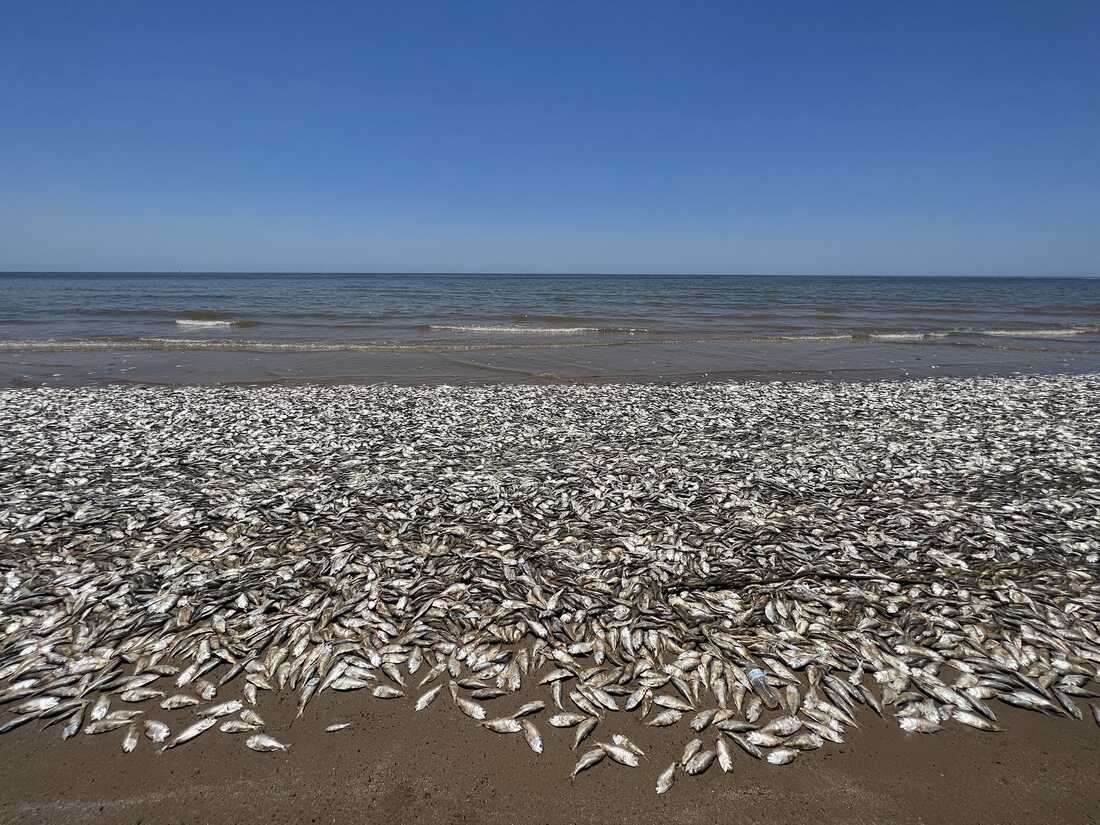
<point x="922" y="551"/>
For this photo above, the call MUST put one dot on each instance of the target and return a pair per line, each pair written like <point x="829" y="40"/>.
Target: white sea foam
<point x="514" y="330"/>
<point x="906" y="336"/>
<point x="193" y="322"/>
<point x="1039" y="333"/>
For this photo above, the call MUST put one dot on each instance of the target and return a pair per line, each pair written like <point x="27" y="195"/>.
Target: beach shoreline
<point x="635" y="362"/>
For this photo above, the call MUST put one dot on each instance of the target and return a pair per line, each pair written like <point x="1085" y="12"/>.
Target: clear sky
<point x="831" y="137"/>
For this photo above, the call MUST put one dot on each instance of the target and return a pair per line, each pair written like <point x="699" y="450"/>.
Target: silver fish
<point x="566" y="720"/>
<point x="179" y="700"/>
<point x="690" y="749"/>
<point x="130" y="741"/>
<point x="620" y="754"/>
<point x="223" y="709"/>
<point x="530" y="708"/>
<point x="531" y="735"/>
<point x="699" y="763"/>
<point x="782" y="756"/>
<point x="505" y="725"/>
<point x="587" y="760"/>
<point x="428" y="697"/>
<point x="237" y="726"/>
<point x="156" y="731"/>
<point x="262" y="742"/>
<point x="666" y="718"/>
<point x="666" y="778"/>
<point x="584" y="729"/>
<point x="725" y="755"/>
<point x="189" y="733"/>
<point x="471" y="709"/>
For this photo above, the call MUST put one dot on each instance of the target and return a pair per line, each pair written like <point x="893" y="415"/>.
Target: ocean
<point x="427" y="310"/>
<point x="689" y="324"/>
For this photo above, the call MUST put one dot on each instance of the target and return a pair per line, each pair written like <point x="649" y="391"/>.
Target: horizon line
<point x="547" y="274"/>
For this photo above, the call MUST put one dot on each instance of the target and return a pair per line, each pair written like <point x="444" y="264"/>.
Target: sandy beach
<point x="399" y="766"/>
<point x="549" y="414"/>
<point x="613" y="554"/>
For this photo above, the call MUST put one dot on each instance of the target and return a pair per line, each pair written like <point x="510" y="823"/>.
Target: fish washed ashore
<point x="691" y="581"/>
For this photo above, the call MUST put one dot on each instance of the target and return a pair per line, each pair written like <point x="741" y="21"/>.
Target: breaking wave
<point x="214" y="322"/>
<point x="521" y="330"/>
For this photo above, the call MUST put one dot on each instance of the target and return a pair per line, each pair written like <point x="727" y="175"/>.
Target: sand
<point x="636" y="362"/>
<point x="395" y="766"/>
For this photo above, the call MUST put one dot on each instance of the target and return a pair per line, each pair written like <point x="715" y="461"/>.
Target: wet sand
<point x="396" y="766"/>
<point x="842" y="360"/>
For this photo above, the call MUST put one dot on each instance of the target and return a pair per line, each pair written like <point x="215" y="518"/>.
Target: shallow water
<point x="66" y="328"/>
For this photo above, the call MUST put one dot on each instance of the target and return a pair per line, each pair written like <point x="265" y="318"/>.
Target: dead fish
<point x="725" y="755"/>
<point x="531" y="735"/>
<point x="428" y="697"/>
<point x="156" y="731"/>
<point x="782" y="726"/>
<point x="735" y="726"/>
<point x="339" y="726"/>
<point x="346" y="683"/>
<point x="624" y="742"/>
<point x="250" y="716"/>
<point x="105" y="725"/>
<point x="264" y="743"/>
<point x="764" y="740"/>
<point x="666" y="778"/>
<point x="130" y="740"/>
<point x="223" y="709"/>
<point x="583" y="730"/>
<point x="22" y="719"/>
<point x="37" y="705"/>
<point x="702" y="720"/>
<point x="505" y="725"/>
<point x="671" y="702"/>
<point x="974" y="721"/>
<point x="782" y="756"/>
<point x="471" y="709"/>
<point x="140" y="695"/>
<point x="588" y="759"/>
<point x="745" y="745"/>
<point x="666" y="718"/>
<point x="179" y="700"/>
<point x="237" y="726"/>
<point x="393" y="672"/>
<point x="434" y="673"/>
<point x="100" y="708"/>
<point x="699" y="763"/>
<point x="619" y="754"/>
<point x="566" y="720"/>
<point x="387" y="692"/>
<point x="805" y="741"/>
<point x="72" y="727"/>
<point x="917" y="724"/>
<point x="189" y="733"/>
<point x="530" y="708"/>
<point x="690" y="749"/>
<point x="1028" y="701"/>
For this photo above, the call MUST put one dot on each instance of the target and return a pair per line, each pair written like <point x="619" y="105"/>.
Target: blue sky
<point x="864" y="138"/>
